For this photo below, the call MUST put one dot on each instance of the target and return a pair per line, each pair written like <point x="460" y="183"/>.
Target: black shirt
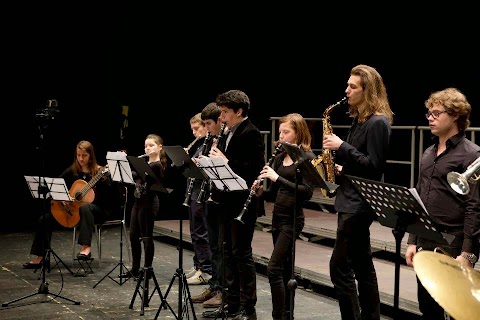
<point x="362" y="154"/>
<point x="447" y="208"/>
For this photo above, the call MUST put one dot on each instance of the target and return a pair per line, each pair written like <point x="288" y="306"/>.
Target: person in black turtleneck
<point x="146" y="205"/>
<point x="282" y="173"/>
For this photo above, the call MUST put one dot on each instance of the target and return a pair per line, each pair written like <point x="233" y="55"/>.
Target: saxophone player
<point x="362" y="153"/>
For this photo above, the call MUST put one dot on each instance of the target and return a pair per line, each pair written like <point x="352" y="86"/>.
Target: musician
<point x="458" y="215"/>
<point x="363" y="153"/>
<point x="282" y="173"/>
<point x="244" y="153"/>
<point x="83" y="168"/>
<point x="146" y="205"/>
<point x="202" y="265"/>
<point x="211" y="296"/>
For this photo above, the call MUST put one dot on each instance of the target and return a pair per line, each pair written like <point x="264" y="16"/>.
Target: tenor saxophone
<point x="324" y="163"/>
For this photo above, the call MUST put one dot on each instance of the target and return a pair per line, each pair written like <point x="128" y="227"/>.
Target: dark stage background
<point x="165" y="76"/>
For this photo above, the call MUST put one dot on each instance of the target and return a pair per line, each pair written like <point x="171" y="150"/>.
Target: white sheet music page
<point x="415" y="194"/>
<point x="119" y="167"/>
<point x="220" y="173"/>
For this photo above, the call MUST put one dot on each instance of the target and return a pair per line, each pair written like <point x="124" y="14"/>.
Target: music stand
<point x="189" y="169"/>
<point x="402" y="210"/>
<point x="119" y="171"/>
<point x="47" y="188"/>
<point x="304" y="166"/>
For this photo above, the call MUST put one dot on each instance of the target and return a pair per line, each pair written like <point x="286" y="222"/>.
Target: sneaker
<point x="215" y="301"/>
<point x="206" y="294"/>
<point x="199" y="277"/>
<point x="189" y="273"/>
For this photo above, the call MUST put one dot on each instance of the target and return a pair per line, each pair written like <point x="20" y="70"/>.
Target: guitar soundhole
<point x="78" y="196"/>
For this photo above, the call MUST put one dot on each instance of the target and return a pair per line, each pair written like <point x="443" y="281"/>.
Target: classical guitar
<point x="81" y="192"/>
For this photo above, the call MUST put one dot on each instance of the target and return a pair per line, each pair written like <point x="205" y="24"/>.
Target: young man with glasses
<point x="459" y="215"/>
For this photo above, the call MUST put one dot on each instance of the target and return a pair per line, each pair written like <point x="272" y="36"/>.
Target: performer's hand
<point x="259" y="191"/>
<point x="332" y="142"/>
<point x="215" y="152"/>
<point x="411" y="250"/>
<point x="338" y="169"/>
<point x="463" y="261"/>
<point x="269" y="173"/>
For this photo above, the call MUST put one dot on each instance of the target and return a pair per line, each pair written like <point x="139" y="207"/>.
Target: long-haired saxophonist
<point x="363" y="153"/>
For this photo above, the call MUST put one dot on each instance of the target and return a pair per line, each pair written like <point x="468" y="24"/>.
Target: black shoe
<point x="244" y="316"/>
<point x="82" y="256"/>
<point x="29" y="265"/>
<point x="217" y="313"/>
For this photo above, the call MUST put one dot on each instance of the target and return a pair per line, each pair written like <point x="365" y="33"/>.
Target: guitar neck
<point x="90" y="184"/>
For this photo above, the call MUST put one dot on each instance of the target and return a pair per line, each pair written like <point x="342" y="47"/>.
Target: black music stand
<point x="402" y="210"/>
<point x="220" y="173"/>
<point x="149" y="178"/>
<point x="119" y="171"/>
<point x="304" y="166"/>
<point x="189" y="169"/>
<point x="47" y="188"/>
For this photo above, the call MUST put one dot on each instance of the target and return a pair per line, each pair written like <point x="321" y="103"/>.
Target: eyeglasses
<point x="435" y="114"/>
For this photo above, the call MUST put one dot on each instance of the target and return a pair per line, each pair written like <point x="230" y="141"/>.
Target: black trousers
<point x="202" y="258"/>
<point x="90" y="214"/>
<point x="142" y="220"/>
<point x="429" y="308"/>
<point x="43" y="235"/>
<point x="240" y="272"/>
<point x="352" y="260"/>
<point x="279" y="268"/>
<point x="214" y="223"/>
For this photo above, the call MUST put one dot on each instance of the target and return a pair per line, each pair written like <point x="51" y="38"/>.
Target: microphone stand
<point x="292" y="283"/>
<point x="43" y="189"/>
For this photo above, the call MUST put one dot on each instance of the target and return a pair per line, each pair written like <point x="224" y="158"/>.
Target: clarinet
<point x="221" y="144"/>
<point x="254" y="187"/>
<point x="191" y="180"/>
<point x="205" y="149"/>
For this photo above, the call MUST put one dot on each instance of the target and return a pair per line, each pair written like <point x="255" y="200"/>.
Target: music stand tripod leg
<point x="183" y="291"/>
<point x="57" y="261"/>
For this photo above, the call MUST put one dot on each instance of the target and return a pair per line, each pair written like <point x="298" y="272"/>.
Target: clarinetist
<point x="211" y="296"/>
<point x="244" y="153"/>
<point x="201" y="270"/>
<point x="292" y="129"/>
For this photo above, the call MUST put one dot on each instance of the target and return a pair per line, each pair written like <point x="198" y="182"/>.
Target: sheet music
<point x="221" y="174"/>
<point x="57" y="189"/>
<point x="415" y="194"/>
<point x="119" y="167"/>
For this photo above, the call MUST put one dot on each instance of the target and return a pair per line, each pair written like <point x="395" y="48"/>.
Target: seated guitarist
<point x="93" y="193"/>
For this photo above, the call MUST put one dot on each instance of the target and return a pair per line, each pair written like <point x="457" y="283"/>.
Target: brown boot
<point x="215" y="301"/>
<point x="206" y="294"/>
